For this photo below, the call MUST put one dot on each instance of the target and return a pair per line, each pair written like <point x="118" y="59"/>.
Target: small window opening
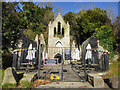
<point x="54" y="31"/>
<point x="59" y="27"/>
<point x="63" y="31"/>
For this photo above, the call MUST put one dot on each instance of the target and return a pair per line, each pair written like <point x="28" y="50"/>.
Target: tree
<point x="27" y="16"/>
<point x="71" y="18"/>
<point x="84" y="23"/>
<point x="105" y="35"/>
<point x="91" y="20"/>
<point x="10" y="24"/>
<point x="116" y="32"/>
<point x="36" y="16"/>
<point x="72" y="21"/>
<point x="33" y="17"/>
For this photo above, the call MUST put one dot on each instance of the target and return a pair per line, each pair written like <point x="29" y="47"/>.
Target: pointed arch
<point x="58" y="44"/>
<point x="59" y="56"/>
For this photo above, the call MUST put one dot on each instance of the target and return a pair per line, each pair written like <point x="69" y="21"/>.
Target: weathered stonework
<point x="10" y="76"/>
<point x="55" y="43"/>
<point x="95" y="80"/>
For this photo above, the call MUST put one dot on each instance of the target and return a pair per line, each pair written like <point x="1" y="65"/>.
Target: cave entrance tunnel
<point x="59" y="56"/>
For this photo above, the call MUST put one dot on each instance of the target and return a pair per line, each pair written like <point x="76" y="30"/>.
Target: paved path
<point x="70" y="78"/>
<point x="68" y="74"/>
<point x="66" y="85"/>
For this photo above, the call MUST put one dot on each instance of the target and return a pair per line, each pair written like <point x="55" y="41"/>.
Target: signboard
<point x="51" y="61"/>
<point x="67" y="54"/>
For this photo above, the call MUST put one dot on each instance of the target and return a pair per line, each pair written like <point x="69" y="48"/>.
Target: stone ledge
<point x="28" y="77"/>
<point x="95" y="80"/>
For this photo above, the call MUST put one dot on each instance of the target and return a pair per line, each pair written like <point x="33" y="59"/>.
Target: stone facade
<point x="24" y="42"/>
<point x="43" y="45"/>
<point x="58" y="36"/>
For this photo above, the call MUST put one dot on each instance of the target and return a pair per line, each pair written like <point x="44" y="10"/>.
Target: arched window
<point x="59" y="27"/>
<point x="63" y="31"/>
<point x="54" y="31"/>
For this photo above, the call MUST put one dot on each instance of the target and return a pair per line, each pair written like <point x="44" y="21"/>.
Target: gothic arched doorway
<point x="59" y="56"/>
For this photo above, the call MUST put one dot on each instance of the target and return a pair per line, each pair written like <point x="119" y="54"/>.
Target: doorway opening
<point x="59" y="56"/>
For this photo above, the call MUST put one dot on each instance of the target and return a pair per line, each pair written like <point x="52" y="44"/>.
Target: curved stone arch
<point x="59" y="56"/>
<point x="59" y="44"/>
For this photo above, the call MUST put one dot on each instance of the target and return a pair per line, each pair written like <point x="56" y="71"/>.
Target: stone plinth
<point x="95" y="80"/>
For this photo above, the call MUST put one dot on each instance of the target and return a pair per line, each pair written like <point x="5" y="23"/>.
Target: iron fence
<point x="99" y="62"/>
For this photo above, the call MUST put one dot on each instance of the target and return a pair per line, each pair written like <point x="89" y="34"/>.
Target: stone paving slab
<point x="68" y="74"/>
<point x="66" y="85"/>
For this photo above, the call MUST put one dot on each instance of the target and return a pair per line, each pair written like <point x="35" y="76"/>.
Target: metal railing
<point x="19" y="58"/>
<point x="99" y="61"/>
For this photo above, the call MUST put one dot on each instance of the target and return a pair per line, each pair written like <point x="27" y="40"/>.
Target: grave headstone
<point x="10" y="76"/>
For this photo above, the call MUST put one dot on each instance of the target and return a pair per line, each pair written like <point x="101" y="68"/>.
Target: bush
<point x="7" y="60"/>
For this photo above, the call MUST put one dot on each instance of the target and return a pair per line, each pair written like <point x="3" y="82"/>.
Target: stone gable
<point x="58" y="36"/>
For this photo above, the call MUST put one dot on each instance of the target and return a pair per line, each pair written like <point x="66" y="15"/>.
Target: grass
<point x="9" y="85"/>
<point x="1" y="76"/>
<point x="24" y="85"/>
<point x="113" y="70"/>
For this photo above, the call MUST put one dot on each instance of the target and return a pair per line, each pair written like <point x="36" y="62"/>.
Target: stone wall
<point x="53" y="40"/>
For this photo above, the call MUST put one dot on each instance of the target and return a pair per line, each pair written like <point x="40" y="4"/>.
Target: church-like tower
<point x="58" y="36"/>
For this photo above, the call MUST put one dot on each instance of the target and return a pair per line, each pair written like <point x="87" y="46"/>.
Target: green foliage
<point x="116" y="32"/>
<point x="6" y="57"/>
<point x="9" y="85"/>
<point x="23" y="15"/>
<point x="35" y="17"/>
<point x="60" y="36"/>
<point x="84" y="23"/>
<point x="26" y="84"/>
<point x="1" y="76"/>
<point x="70" y="17"/>
<point x="105" y="35"/>
<point x="89" y="21"/>
<point x="114" y="70"/>
<point x="10" y="22"/>
<point x="30" y="34"/>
